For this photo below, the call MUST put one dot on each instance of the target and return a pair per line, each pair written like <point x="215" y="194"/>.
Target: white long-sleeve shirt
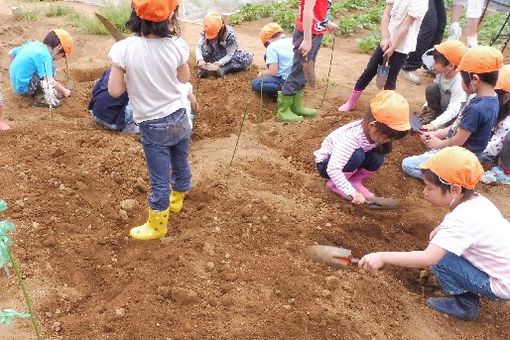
<point x="339" y="146"/>
<point x="495" y="144"/>
<point x="458" y="97"/>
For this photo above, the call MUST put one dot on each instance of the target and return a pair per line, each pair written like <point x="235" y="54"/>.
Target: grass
<point x="368" y="43"/>
<point x="58" y="11"/>
<point x="23" y="14"/>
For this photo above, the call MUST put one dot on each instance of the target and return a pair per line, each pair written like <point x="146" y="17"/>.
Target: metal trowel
<point x="115" y="33"/>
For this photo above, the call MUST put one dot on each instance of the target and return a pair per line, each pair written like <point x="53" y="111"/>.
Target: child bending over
<point x="400" y="25"/>
<point x="217" y="50"/>
<point x="278" y="59"/>
<point x="445" y="96"/>
<point x="151" y="66"/>
<point x="32" y="71"/>
<point x="470" y="250"/>
<point x="114" y="114"/>
<point x="356" y="151"/>
<point x="479" y="69"/>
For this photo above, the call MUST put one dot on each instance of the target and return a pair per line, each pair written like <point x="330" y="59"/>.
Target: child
<point x="445" y="95"/>
<point x="472" y="129"/>
<point x="400" y="25"/>
<point x="311" y="25"/>
<point x="112" y="113"/>
<point x="217" y="49"/>
<point x="356" y="151"/>
<point x="32" y="71"/>
<point x="474" y="10"/>
<point x="470" y="250"/>
<point x="151" y="65"/>
<point x="278" y="59"/>
<point x="498" y="148"/>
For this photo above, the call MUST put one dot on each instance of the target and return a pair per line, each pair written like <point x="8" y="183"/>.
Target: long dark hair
<point x="142" y="27"/>
<point x="504" y="105"/>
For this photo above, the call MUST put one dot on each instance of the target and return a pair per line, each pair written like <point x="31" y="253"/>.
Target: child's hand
<point x="389" y="52"/>
<point x="357" y="198"/>
<point x="194" y="103"/>
<point x="385" y="43"/>
<point x="428" y="127"/>
<point x="201" y="63"/>
<point x="331" y="27"/>
<point x="66" y="92"/>
<point x="371" y="262"/>
<point x="432" y="142"/>
<point x="305" y="47"/>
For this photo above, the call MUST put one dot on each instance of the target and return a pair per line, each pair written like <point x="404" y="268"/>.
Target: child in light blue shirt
<point x="278" y="58"/>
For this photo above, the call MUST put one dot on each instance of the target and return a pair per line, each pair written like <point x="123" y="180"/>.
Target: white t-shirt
<point x="478" y="232"/>
<point x="151" y="74"/>
<point x="401" y="9"/>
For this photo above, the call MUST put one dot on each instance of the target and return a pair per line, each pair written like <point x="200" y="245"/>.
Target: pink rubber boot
<point x="357" y="182"/>
<point x="351" y="103"/>
<point x="332" y="187"/>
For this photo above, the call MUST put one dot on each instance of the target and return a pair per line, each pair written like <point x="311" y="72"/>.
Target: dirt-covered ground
<point x="233" y="265"/>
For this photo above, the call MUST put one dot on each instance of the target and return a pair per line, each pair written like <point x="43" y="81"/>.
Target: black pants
<point x="395" y="63"/>
<point x="431" y="33"/>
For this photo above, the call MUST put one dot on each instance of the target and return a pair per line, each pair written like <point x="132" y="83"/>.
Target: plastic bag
<point x="7" y="316"/>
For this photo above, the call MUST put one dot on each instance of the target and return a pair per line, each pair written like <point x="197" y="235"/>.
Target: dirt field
<point x="233" y="265"/>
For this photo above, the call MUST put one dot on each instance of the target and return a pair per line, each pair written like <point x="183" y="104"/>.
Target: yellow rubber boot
<point x="176" y="201"/>
<point x="154" y="228"/>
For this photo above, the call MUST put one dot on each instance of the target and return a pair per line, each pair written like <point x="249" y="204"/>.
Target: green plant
<point x="58" y="11"/>
<point x="368" y="43"/>
<point x="491" y="26"/>
<point x="22" y="14"/>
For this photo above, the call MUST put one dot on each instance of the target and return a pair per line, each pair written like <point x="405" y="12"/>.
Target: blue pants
<point x="371" y="161"/>
<point x="296" y="80"/>
<point x="456" y="275"/>
<point x="128" y="126"/>
<point x="166" y="143"/>
<point x="268" y="85"/>
<point x="411" y="165"/>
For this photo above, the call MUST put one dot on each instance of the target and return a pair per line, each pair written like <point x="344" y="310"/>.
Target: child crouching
<point x="470" y="250"/>
<point x="356" y="151"/>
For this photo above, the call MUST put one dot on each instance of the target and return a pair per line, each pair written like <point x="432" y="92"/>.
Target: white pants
<point x="474" y="8"/>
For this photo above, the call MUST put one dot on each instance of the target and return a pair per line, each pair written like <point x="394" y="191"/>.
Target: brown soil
<point x="234" y="264"/>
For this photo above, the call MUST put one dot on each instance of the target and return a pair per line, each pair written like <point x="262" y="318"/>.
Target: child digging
<point x="479" y="69"/>
<point x="151" y="66"/>
<point x="311" y="25"/>
<point x="356" y="151"/>
<point x="470" y="249"/>
<point x="217" y="49"/>
<point x="445" y="96"/>
<point x="32" y="71"/>
<point x="400" y="25"/>
<point x="278" y="59"/>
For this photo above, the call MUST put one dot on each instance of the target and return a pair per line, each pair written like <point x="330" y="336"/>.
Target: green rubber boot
<point x="284" y="113"/>
<point x="297" y="106"/>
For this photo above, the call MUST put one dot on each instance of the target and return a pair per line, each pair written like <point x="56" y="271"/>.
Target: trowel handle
<point x="347" y="261"/>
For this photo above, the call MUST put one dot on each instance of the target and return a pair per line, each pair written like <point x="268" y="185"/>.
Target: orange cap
<point x="212" y="24"/>
<point x="155" y="10"/>
<point x="453" y="50"/>
<point x="66" y="41"/>
<point x="481" y="59"/>
<point x="391" y="109"/>
<point x="268" y="31"/>
<point x="504" y="79"/>
<point x="455" y="165"/>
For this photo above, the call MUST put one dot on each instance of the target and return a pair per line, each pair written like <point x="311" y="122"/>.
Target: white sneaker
<point x="412" y="76"/>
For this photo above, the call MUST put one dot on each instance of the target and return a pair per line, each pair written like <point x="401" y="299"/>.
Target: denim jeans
<point x="456" y="275"/>
<point x="371" y="161"/>
<point x="411" y="165"/>
<point x="296" y="80"/>
<point x="269" y="85"/>
<point x="166" y="143"/>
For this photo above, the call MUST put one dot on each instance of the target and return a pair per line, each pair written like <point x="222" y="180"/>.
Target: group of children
<point x="147" y="89"/>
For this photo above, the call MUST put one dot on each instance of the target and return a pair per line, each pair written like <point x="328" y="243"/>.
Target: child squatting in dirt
<point x="151" y="66"/>
<point x="32" y="71"/>
<point x="217" y="50"/>
<point x="356" y="151"/>
<point x="470" y="249"/>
